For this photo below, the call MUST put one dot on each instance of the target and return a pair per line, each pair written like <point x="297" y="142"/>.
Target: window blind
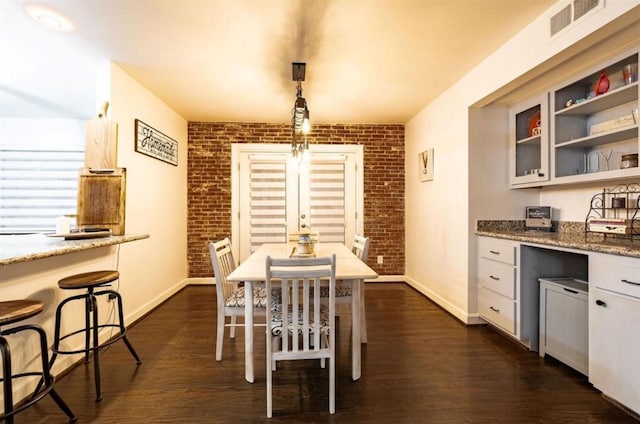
<point x="268" y="200"/>
<point x="36" y="186"/>
<point x="327" y="199"/>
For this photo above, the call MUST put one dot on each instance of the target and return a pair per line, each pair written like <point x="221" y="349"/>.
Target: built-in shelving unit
<point x="592" y="122"/>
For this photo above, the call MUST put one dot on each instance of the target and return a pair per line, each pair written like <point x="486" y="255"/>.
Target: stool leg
<point x="6" y="375"/>
<point x="123" y="328"/>
<point x="46" y="374"/>
<point x="89" y="308"/>
<point x="96" y="347"/>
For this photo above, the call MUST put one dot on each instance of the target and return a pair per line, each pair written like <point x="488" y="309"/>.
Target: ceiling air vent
<point x="561" y="20"/>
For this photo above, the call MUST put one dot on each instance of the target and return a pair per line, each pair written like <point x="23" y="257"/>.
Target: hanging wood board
<point x="101" y="142"/>
<point x="101" y="200"/>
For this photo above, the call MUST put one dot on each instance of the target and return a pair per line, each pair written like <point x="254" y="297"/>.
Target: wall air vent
<point x="572" y="12"/>
<point x="561" y="20"/>
<point x="582" y="7"/>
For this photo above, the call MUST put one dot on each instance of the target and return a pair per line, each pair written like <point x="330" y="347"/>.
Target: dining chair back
<point x="344" y="290"/>
<point x="230" y="297"/>
<point x="299" y="325"/>
<point x="360" y="247"/>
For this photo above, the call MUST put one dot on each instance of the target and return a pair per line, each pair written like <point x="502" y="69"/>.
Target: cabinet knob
<point x="494" y="278"/>
<point x="493" y="252"/>
<point x="494" y="309"/>
<point x="601" y="303"/>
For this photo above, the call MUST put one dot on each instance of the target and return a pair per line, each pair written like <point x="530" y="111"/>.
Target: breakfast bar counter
<point x="28" y="247"/>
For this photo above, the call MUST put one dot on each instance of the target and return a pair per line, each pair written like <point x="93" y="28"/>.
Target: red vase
<point x="602" y="86"/>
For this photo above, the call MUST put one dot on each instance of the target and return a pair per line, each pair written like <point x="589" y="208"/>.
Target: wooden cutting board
<point x="101" y="141"/>
<point x="101" y="200"/>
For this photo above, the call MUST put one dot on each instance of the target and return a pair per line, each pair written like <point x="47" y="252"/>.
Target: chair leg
<point x="234" y="320"/>
<point x="270" y="369"/>
<point x="220" y="335"/>
<point x="332" y="384"/>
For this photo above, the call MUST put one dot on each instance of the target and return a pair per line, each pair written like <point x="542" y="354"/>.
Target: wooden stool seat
<point x="13" y="311"/>
<point x="17" y="310"/>
<point x="88" y="279"/>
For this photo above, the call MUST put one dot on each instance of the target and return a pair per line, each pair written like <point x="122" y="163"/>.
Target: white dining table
<point x="348" y="268"/>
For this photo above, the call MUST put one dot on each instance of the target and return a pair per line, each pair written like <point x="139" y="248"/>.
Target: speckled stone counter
<point x="29" y="247"/>
<point x="568" y="235"/>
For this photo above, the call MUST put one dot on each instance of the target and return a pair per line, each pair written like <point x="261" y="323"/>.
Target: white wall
<point x="156" y="204"/>
<point x="441" y="214"/>
<point x="152" y="269"/>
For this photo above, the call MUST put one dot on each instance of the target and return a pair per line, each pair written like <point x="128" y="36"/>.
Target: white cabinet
<point x="497" y="281"/>
<point x="614" y="339"/>
<point x="564" y="322"/>
<point x="529" y="143"/>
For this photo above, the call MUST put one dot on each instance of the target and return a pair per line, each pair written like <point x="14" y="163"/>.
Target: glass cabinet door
<point x="529" y="137"/>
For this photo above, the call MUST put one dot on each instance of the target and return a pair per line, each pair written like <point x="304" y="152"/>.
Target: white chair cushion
<point x="236" y="300"/>
<point x="276" y="321"/>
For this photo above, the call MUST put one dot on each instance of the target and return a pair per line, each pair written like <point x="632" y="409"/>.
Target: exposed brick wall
<point x="209" y="180"/>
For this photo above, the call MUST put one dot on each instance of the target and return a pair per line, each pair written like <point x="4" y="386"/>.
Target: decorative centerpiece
<point x="305" y="243"/>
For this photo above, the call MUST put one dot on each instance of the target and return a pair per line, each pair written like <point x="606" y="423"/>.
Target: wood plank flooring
<point x="420" y="366"/>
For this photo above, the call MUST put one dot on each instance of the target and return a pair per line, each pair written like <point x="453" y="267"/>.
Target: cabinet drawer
<point x="498" y="251"/>
<point x="497" y="276"/>
<point x="497" y="309"/>
<point x="617" y="274"/>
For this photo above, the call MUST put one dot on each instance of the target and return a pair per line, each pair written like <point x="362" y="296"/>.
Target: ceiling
<point x="368" y="61"/>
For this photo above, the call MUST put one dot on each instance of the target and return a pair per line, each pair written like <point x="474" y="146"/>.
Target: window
<point x="39" y="162"/>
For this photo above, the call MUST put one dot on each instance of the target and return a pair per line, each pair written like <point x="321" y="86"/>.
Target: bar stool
<point x="95" y="283"/>
<point x="11" y="312"/>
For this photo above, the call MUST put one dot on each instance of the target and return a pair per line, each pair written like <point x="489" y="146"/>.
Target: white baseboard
<point x="201" y="281"/>
<point x="462" y="315"/>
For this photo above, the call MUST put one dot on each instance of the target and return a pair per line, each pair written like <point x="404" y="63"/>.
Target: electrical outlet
<point x="380" y="259"/>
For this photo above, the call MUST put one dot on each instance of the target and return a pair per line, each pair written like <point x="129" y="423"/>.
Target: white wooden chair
<point x="230" y="297"/>
<point x="299" y="325"/>
<point x="360" y="248"/>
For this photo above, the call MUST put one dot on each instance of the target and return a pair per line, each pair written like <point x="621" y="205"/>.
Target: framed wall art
<point x="425" y="165"/>
<point x="152" y="142"/>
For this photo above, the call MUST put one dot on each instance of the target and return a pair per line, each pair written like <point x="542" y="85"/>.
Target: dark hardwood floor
<point x="420" y="366"/>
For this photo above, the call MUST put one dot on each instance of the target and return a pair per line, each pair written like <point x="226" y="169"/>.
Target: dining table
<point x="349" y="268"/>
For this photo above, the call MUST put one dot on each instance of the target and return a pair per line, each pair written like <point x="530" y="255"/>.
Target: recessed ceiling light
<point x="49" y="18"/>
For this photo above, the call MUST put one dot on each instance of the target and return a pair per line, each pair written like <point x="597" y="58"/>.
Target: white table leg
<point x="355" y="330"/>
<point x="248" y="331"/>
<point x="363" y="318"/>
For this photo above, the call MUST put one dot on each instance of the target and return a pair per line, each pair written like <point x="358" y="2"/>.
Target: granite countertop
<point x="29" y="247"/>
<point x="570" y="235"/>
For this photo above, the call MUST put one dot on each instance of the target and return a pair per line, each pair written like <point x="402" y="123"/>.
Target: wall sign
<point x="425" y="165"/>
<point x="152" y="142"/>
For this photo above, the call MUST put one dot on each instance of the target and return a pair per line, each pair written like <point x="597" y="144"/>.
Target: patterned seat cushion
<point x="341" y="290"/>
<point x="236" y="300"/>
<point x="276" y="321"/>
